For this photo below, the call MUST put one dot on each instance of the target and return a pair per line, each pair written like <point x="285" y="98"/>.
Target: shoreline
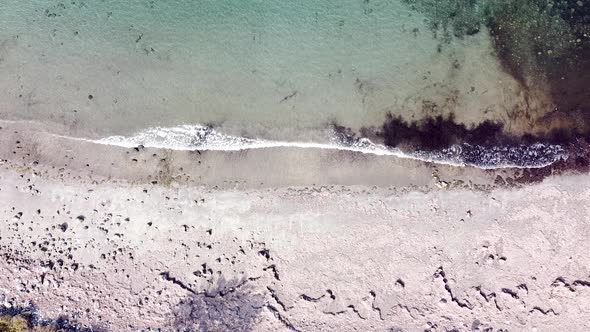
<point x="334" y="241"/>
<point x="257" y="168"/>
<point x="206" y="142"/>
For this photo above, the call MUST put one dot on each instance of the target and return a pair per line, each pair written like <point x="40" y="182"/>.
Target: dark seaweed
<point x="31" y="315"/>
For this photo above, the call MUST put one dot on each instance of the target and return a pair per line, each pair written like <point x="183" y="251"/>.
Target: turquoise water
<point x="247" y="64"/>
<point x="286" y="70"/>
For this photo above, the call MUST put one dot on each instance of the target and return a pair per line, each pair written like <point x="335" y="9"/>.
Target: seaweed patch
<point x="544" y="46"/>
<point x="15" y="318"/>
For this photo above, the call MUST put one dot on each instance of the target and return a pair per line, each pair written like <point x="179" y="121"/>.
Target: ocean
<point x="375" y="75"/>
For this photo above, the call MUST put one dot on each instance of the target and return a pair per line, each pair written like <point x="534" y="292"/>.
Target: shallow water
<point x="287" y="70"/>
<point x="241" y="63"/>
<point x="253" y="65"/>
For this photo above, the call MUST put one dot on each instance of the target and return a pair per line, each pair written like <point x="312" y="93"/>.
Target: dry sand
<point x="132" y="240"/>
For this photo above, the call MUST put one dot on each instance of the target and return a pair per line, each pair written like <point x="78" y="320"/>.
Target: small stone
<point x="63" y="227"/>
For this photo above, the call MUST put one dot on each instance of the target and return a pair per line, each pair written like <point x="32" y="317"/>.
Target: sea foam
<point x="200" y="137"/>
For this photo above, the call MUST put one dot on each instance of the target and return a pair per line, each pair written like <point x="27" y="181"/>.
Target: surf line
<point x="203" y="138"/>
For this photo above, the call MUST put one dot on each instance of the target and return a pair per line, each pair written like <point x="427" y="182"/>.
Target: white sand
<point x="124" y="253"/>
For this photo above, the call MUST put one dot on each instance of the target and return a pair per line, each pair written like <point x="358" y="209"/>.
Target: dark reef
<point x="485" y="145"/>
<point x="543" y="45"/>
<point x="442" y="132"/>
<point x="438" y="133"/>
<point x="535" y="41"/>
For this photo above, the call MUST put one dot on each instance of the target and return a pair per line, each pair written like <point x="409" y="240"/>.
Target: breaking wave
<point x="199" y="137"/>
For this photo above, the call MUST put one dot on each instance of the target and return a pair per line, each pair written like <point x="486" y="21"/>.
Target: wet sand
<point x="286" y="239"/>
<point x="29" y="144"/>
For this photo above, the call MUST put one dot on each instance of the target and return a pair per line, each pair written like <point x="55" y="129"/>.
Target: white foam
<point x="199" y="137"/>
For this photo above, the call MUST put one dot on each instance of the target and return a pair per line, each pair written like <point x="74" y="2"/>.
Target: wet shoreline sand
<point x="336" y="241"/>
<point x="29" y="144"/>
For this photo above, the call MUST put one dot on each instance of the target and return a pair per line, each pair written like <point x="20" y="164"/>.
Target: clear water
<point x="280" y="70"/>
<point x="231" y="62"/>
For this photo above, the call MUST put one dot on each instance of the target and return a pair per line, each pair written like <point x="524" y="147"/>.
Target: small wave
<point x="199" y="137"/>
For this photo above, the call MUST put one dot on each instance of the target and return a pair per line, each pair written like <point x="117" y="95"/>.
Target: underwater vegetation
<point x="27" y="319"/>
<point x="544" y="45"/>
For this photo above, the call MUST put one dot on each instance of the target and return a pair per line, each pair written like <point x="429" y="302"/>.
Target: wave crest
<point x="199" y="137"/>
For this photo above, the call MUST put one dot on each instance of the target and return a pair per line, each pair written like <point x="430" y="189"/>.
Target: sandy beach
<point x="311" y="166"/>
<point x="88" y="234"/>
